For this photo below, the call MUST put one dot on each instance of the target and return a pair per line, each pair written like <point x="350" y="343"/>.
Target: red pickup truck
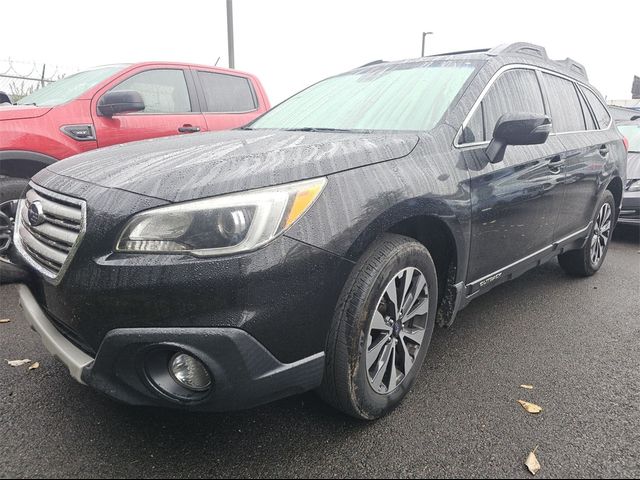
<point x="116" y="104"/>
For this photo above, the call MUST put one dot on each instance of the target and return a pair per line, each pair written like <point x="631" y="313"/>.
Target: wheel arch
<point x="441" y="233"/>
<point x="617" y="189"/>
<point x="22" y="163"/>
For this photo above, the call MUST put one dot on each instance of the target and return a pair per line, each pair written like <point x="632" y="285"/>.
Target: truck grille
<point x="48" y="229"/>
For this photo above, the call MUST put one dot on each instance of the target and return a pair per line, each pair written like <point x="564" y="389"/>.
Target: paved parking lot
<point x="576" y="340"/>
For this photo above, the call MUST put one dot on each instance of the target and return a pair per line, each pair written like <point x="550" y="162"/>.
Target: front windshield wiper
<point x="330" y="130"/>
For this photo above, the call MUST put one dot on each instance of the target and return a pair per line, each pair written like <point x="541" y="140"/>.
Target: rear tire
<point x="375" y="347"/>
<point x="588" y="260"/>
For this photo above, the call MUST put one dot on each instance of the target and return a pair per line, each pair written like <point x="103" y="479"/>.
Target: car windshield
<point x="632" y="132"/>
<point x="68" y="88"/>
<point x="398" y="97"/>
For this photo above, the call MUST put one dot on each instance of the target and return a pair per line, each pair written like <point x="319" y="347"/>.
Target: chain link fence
<point x="18" y="79"/>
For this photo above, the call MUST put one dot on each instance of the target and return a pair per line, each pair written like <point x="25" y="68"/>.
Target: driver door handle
<point x="555" y="163"/>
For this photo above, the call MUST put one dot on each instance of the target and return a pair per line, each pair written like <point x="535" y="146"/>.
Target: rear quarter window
<point x="227" y="93"/>
<point x="599" y="110"/>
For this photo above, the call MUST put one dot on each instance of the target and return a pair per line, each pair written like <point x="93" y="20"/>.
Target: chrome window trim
<point x="494" y="78"/>
<point x="54" y="278"/>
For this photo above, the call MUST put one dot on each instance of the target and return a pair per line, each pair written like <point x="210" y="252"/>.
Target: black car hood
<point x="633" y="165"/>
<point x="202" y="165"/>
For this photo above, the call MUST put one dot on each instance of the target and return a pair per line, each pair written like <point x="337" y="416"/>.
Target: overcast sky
<point x="290" y="44"/>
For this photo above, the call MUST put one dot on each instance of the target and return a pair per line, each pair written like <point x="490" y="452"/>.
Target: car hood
<point x="19" y="112"/>
<point x="202" y="165"/>
<point x="633" y="165"/>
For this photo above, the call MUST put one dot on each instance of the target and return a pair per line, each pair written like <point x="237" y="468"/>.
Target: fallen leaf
<point x="4" y="320"/>
<point x="18" y="363"/>
<point x="34" y="366"/>
<point x="530" y="407"/>
<point x="528" y="387"/>
<point x="532" y="462"/>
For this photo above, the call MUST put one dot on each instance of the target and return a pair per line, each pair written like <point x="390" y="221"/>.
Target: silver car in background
<point x="630" y="213"/>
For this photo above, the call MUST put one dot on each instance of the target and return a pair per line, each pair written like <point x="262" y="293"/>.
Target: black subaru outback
<point x="317" y="247"/>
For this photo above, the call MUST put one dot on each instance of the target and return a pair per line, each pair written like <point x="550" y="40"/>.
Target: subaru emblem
<point x="36" y="214"/>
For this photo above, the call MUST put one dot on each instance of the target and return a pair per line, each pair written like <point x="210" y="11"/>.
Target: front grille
<point x="48" y="243"/>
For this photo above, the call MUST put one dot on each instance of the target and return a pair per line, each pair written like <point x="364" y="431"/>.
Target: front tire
<point x="588" y="260"/>
<point x="381" y="328"/>
<point x="10" y="191"/>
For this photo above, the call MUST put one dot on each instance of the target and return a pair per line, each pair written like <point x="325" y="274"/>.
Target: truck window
<point x="163" y="90"/>
<point x="227" y="93"/>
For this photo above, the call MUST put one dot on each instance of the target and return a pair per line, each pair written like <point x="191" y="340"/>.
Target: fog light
<point x="189" y="372"/>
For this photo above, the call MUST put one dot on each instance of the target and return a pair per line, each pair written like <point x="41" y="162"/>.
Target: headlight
<point x="222" y="225"/>
<point x="633" y="185"/>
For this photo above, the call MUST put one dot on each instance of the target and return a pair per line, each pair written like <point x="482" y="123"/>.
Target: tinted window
<point x="227" y="93"/>
<point x="474" y="131"/>
<point x="602" y="115"/>
<point x="163" y="91"/>
<point x="515" y="91"/>
<point x="404" y="96"/>
<point x="588" y="118"/>
<point x="566" y="112"/>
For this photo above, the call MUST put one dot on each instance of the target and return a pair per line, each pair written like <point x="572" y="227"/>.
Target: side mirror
<point x="125" y="101"/>
<point x="518" y="129"/>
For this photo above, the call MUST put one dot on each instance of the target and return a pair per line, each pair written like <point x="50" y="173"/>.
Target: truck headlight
<point x="223" y="225"/>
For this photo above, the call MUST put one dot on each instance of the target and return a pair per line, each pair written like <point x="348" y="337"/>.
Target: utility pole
<point x="424" y="36"/>
<point x="232" y="62"/>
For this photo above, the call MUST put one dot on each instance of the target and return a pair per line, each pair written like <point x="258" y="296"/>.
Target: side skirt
<point x="460" y="294"/>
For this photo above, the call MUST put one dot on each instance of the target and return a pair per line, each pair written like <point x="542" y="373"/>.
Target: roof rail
<point x="461" y="52"/>
<point x="523" y="48"/>
<point x="520" y="47"/>
<point x="375" y="62"/>
<point x="573" y="66"/>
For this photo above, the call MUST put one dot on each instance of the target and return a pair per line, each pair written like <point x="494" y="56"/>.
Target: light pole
<point x="424" y="36"/>
<point x="230" y="33"/>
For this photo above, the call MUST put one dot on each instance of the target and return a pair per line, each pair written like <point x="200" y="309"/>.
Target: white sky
<point x="290" y="44"/>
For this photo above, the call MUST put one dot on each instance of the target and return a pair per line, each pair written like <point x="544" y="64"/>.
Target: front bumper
<point x="244" y="373"/>
<point x="61" y="348"/>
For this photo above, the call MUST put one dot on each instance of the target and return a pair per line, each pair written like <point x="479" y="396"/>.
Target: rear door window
<point x="164" y="91"/>
<point x="599" y="110"/>
<point x="515" y="91"/>
<point x="227" y="93"/>
<point x="566" y="112"/>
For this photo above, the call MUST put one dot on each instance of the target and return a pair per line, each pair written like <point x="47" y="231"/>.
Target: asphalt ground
<point x="577" y="341"/>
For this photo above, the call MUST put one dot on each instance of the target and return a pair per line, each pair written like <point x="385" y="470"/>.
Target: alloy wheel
<point x="601" y="234"/>
<point x="7" y="219"/>
<point x="397" y="330"/>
